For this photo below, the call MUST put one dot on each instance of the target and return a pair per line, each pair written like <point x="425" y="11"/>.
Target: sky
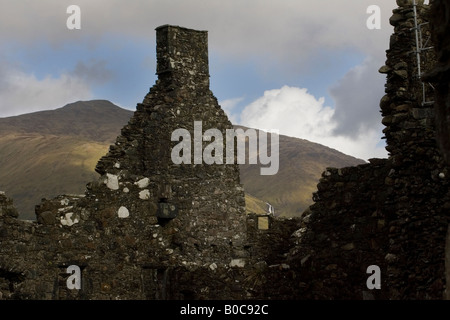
<point x="306" y="68"/>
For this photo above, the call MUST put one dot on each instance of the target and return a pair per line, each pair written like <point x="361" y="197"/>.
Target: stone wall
<point x="208" y="198"/>
<point x="146" y="215"/>
<point x="392" y="212"/>
<point x="343" y="233"/>
<point x="153" y="229"/>
<point x="419" y="180"/>
<point x="439" y="75"/>
<point x="150" y="228"/>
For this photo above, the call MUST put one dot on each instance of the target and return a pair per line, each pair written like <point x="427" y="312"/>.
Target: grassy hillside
<point x="300" y="168"/>
<point x="48" y="153"/>
<point x="37" y="166"/>
<point x="255" y="205"/>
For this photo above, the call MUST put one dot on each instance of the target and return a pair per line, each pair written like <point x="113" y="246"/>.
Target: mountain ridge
<point x="102" y="115"/>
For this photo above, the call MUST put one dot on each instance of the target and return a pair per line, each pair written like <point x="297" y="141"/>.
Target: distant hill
<point x="48" y="153"/>
<point x="301" y="164"/>
<point x="96" y="120"/>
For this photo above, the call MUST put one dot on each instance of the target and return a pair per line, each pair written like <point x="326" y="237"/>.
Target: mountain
<point x="48" y="153"/>
<point x="96" y="120"/>
<point x="301" y="164"/>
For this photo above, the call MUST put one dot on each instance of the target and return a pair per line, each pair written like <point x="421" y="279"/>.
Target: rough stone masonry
<point x="392" y="212"/>
<point x="145" y="213"/>
<point x="149" y="229"/>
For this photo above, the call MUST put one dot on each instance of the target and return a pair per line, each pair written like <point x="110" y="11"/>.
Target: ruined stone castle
<point x="152" y="229"/>
<point x="148" y="228"/>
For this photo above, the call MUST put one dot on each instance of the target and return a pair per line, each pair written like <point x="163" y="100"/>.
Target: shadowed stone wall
<point x="146" y="215"/>
<point x="392" y="212"/>
<point x="153" y="229"/>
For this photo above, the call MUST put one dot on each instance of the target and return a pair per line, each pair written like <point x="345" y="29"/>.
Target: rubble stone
<point x="152" y="229"/>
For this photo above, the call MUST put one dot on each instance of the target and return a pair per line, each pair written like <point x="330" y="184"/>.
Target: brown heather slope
<point x="48" y="153"/>
<point x="44" y="154"/>
<point x="301" y="164"/>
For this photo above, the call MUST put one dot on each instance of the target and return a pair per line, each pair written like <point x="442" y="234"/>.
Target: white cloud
<point x="229" y="106"/>
<point x="291" y="110"/>
<point x="295" y="112"/>
<point x="24" y="93"/>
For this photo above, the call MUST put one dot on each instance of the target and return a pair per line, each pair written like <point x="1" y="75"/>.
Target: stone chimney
<point x="182" y="56"/>
<point x="203" y="205"/>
